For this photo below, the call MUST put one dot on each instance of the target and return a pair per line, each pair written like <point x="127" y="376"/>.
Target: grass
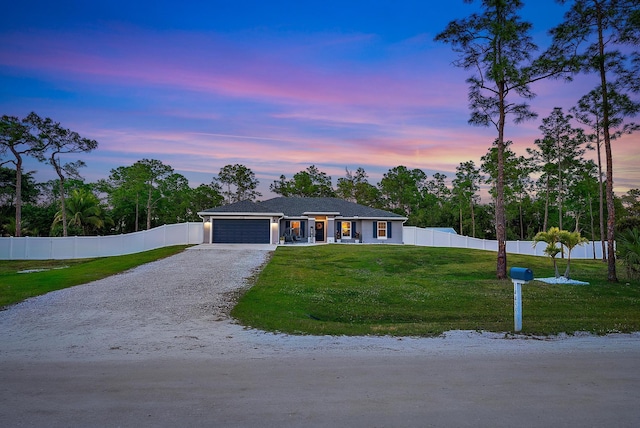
<point x="58" y="274"/>
<point x="424" y="291"/>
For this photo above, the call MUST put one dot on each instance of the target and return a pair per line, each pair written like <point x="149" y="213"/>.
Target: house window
<point x="346" y="229"/>
<point x="295" y="228"/>
<point x="382" y="229"/>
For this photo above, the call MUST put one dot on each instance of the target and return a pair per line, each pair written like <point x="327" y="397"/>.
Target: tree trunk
<point x="473" y="221"/>
<point x="137" y="210"/>
<point x="560" y="184"/>
<point x="18" y="164"/>
<point x="545" y="223"/>
<point x="611" y="214"/>
<point x="521" y="221"/>
<point x="63" y="207"/>
<point x="18" y="231"/>
<point x="600" y="186"/>
<point x="149" y="210"/>
<point x="567" y="272"/>
<point x="593" y="228"/>
<point x="500" y="213"/>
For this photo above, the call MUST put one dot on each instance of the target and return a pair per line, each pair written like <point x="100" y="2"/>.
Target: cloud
<point x="220" y="65"/>
<point x="274" y="102"/>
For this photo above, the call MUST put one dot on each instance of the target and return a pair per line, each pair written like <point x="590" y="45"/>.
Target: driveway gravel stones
<point x="166" y="306"/>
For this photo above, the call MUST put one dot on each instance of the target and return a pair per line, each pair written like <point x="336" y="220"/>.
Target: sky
<point x="276" y="86"/>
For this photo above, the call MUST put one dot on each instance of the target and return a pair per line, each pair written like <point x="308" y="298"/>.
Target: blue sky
<point x="276" y="86"/>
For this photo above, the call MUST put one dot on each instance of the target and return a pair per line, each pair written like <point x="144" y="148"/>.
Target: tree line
<point x="150" y="193"/>
<point x="598" y="37"/>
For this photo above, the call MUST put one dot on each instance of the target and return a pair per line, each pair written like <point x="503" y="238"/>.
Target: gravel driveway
<point x="155" y="346"/>
<point x="167" y="307"/>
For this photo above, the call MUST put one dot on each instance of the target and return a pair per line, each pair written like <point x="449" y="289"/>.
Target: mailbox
<point x="521" y="274"/>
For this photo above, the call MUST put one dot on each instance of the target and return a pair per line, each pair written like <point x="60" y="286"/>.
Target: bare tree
<point x="57" y="141"/>
<point x="16" y="137"/>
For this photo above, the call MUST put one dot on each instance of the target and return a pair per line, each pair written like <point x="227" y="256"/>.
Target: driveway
<point x="155" y="346"/>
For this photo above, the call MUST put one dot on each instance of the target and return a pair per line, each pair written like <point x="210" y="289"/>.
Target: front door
<point x="319" y="231"/>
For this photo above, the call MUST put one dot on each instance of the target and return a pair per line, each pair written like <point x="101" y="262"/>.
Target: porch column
<point x="331" y="229"/>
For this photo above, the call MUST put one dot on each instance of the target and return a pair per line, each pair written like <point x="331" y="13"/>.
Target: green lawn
<point x="424" y="291"/>
<point x="15" y="287"/>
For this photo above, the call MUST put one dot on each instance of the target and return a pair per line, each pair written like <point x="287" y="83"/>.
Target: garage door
<point x="241" y="231"/>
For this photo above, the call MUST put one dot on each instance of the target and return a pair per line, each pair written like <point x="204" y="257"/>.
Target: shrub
<point x="628" y="251"/>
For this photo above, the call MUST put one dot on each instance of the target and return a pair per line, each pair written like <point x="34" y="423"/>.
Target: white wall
<point x="432" y="238"/>
<point x="80" y="247"/>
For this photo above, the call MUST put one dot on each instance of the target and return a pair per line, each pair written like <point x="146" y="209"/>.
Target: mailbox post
<point x="519" y="276"/>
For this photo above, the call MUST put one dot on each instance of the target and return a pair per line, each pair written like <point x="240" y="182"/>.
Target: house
<point x="300" y="220"/>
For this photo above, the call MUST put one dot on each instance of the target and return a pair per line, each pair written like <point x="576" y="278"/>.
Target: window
<point x="346" y="229"/>
<point x="382" y="229"/>
<point x="295" y="228"/>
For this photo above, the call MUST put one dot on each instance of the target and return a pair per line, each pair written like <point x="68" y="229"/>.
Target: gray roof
<point x="298" y="207"/>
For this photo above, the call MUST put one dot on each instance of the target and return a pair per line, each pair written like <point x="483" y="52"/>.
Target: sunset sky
<point x="273" y="85"/>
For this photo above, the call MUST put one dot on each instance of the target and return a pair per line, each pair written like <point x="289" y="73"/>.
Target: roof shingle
<point x="297" y="207"/>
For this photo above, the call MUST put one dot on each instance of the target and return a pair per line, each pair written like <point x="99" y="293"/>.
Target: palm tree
<point x="551" y="238"/>
<point x="83" y="210"/>
<point x="570" y="240"/>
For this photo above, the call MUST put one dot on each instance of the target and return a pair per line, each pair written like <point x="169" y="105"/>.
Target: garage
<point x="236" y="231"/>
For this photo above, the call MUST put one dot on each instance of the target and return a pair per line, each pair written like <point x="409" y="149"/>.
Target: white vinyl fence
<point x="433" y="238"/>
<point x="80" y="247"/>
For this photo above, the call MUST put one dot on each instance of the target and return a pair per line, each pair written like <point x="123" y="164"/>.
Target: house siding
<point x="331" y="212"/>
<point x="369" y="237"/>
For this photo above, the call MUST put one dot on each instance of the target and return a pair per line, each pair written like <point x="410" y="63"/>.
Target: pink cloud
<point x="219" y="67"/>
<point x="409" y="111"/>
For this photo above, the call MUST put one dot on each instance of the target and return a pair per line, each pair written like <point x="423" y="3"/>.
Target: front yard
<point x="424" y="291"/>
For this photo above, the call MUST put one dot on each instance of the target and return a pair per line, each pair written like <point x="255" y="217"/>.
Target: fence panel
<point x="78" y="247"/>
<point x="435" y="238"/>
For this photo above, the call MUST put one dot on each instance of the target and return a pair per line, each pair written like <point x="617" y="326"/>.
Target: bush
<point x="628" y="251"/>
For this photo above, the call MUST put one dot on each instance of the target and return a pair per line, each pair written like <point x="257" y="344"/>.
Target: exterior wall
<point x="81" y="247"/>
<point x="363" y="227"/>
<point x="275" y="231"/>
<point x="330" y="228"/>
<point x="368" y="236"/>
<point x="207" y="232"/>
